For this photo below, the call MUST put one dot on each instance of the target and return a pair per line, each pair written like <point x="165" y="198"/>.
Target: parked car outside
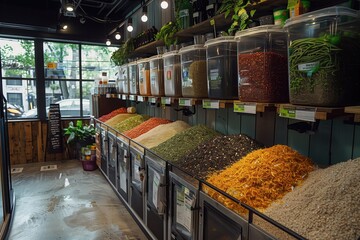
<point x="68" y="108"/>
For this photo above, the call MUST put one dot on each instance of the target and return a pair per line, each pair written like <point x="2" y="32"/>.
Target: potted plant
<point x="78" y="136"/>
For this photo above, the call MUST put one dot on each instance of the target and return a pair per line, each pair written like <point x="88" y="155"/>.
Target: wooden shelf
<point x="321" y="113"/>
<point x="354" y="110"/>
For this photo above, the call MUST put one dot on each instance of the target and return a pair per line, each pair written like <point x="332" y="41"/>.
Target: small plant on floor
<point x="78" y="136"/>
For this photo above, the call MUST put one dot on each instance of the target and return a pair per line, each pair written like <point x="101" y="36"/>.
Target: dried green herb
<point x="217" y="154"/>
<point x="183" y="142"/>
<point x="130" y="123"/>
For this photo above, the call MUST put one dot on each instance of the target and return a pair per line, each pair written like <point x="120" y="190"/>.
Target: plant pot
<point x="89" y="165"/>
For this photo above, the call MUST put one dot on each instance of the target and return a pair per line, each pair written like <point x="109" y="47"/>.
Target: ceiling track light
<point x="64" y="26"/>
<point x="69" y="7"/>
<point x="130" y="27"/>
<point x="108" y="42"/>
<point x="144" y="17"/>
<point x="164" y="4"/>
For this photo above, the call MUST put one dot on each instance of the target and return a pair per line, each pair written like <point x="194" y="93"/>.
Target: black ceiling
<point x="42" y="18"/>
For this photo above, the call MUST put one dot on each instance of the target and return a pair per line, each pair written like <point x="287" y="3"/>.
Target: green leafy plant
<point x="120" y="56"/>
<point x="79" y="132"/>
<point x="240" y="15"/>
<point x="168" y="32"/>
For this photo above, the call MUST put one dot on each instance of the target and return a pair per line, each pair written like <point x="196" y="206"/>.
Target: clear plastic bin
<point x="324" y="50"/>
<point x="133" y="78"/>
<point x="193" y="68"/>
<point x="172" y="74"/>
<point x="221" y="55"/>
<point x="144" y="77"/>
<point x="123" y="79"/>
<point x="263" y="64"/>
<point x="157" y="75"/>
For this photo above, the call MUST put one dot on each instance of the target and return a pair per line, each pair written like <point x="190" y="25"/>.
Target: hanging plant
<point x="120" y="56"/>
<point x="168" y="32"/>
<point x="239" y="14"/>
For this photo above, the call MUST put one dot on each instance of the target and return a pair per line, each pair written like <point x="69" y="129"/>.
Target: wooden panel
<point x="201" y="115"/>
<point x="320" y="144"/>
<point x="234" y="122"/>
<point x="221" y="120"/>
<point x="342" y="141"/>
<point x="210" y="118"/>
<point x="298" y="141"/>
<point x="248" y="127"/>
<point x="28" y="142"/>
<point x="356" y="145"/>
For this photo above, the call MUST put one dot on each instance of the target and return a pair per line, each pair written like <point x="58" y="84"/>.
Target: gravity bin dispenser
<point x="156" y="195"/>
<point x="184" y="208"/>
<point x="112" y="159"/>
<point x="137" y="174"/>
<point x="104" y="149"/>
<point x="123" y="167"/>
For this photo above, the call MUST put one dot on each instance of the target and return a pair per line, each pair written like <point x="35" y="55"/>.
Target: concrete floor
<point x="68" y="203"/>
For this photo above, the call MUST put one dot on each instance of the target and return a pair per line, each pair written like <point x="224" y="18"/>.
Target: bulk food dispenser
<point x="133" y="78"/>
<point x="172" y="74"/>
<point x="222" y="68"/>
<point x="263" y="64"/>
<point x="144" y="77"/>
<point x="157" y="75"/>
<point x="324" y="58"/>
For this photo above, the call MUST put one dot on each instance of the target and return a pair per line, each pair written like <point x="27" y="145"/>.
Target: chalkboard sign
<point x="55" y="139"/>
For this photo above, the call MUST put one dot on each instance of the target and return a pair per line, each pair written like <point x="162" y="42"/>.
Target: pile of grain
<point x="160" y="134"/>
<point x="118" y="118"/>
<point x="217" y="154"/>
<point x="261" y="177"/>
<point x="108" y="116"/>
<point x="130" y="123"/>
<point x="325" y="206"/>
<point x="183" y="142"/>
<point x="145" y="127"/>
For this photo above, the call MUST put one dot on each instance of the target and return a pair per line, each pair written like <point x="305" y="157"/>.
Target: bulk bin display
<point x="104" y="149"/>
<point x="133" y="78"/>
<point x="263" y="64"/>
<point x="157" y="75"/>
<point x="112" y="158"/>
<point x="193" y="71"/>
<point x="144" y="77"/>
<point x="222" y="68"/>
<point x="324" y="58"/>
<point x="172" y="74"/>
<point x="123" y="167"/>
<point x="137" y="199"/>
<point x="123" y="81"/>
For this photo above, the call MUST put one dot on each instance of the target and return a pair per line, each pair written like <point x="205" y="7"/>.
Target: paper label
<point x="183" y="208"/>
<point x="245" y="107"/>
<point x="299" y="113"/>
<point x="124" y="97"/>
<point x="132" y="97"/>
<point x="122" y="171"/>
<point x="185" y="102"/>
<point x="156" y="183"/>
<point x="165" y="101"/>
<point x="305" y="67"/>
<point x="152" y="100"/>
<point x="214" y="104"/>
<point x="140" y="98"/>
<point x="214" y="74"/>
<point x="153" y="77"/>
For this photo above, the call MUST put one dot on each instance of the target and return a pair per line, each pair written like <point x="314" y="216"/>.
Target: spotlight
<point x="164" y="4"/>
<point x="82" y="20"/>
<point x="69" y="7"/>
<point x="117" y="36"/>
<point x="130" y="27"/>
<point x="108" y="43"/>
<point x="64" y="27"/>
<point x="144" y="17"/>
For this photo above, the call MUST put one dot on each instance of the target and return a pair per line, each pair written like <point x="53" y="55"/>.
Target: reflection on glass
<point x="1" y="184"/>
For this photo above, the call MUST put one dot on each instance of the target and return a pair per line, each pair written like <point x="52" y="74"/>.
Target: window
<point x="68" y="81"/>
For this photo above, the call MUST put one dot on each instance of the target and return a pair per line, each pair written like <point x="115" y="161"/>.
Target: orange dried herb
<point x="145" y="127"/>
<point x="261" y="177"/>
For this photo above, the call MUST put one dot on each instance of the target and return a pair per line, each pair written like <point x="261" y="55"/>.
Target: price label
<point x="108" y="95"/>
<point x="215" y="104"/>
<point x="212" y="22"/>
<point x="132" y="97"/>
<point x="165" y="101"/>
<point x="152" y="100"/>
<point x="185" y="102"/>
<point x="299" y="113"/>
<point x="51" y="65"/>
<point x="124" y="97"/>
<point x="119" y="96"/>
<point x="140" y="98"/>
<point x="245" y="107"/>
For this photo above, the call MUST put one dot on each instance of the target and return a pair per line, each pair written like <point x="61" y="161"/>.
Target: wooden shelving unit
<point x="354" y="110"/>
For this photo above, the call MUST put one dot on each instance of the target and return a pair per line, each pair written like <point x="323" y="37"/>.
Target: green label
<point x="212" y="22"/>
<point x="165" y="101"/>
<point x="287" y="112"/>
<point x="215" y="104"/>
<point x="239" y="107"/>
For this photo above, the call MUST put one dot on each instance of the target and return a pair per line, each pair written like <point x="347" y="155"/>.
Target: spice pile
<point x="161" y="133"/>
<point x="325" y="206"/>
<point x="118" y="118"/>
<point x="108" y="116"/>
<point x="130" y="123"/>
<point x="183" y="142"/>
<point x="263" y="77"/>
<point x="196" y="85"/>
<point x="261" y="177"/>
<point x="145" y="127"/>
<point x="217" y="154"/>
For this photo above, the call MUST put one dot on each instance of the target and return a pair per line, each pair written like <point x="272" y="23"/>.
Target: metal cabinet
<point x="137" y="174"/>
<point x="123" y="168"/>
<point x="112" y="158"/>
<point x="104" y="149"/>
